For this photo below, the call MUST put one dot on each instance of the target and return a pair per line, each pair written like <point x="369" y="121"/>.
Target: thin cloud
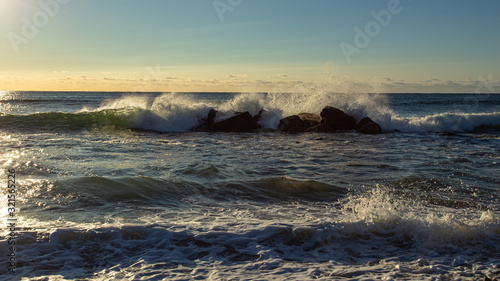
<point x="236" y="76"/>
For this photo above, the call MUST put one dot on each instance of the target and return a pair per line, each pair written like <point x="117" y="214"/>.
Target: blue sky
<point x="262" y="45"/>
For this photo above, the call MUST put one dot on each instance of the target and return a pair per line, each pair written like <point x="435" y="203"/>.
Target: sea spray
<point x="180" y="112"/>
<point x="103" y="202"/>
<point x="380" y="212"/>
<point x="127" y="101"/>
<point x="444" y="122"/>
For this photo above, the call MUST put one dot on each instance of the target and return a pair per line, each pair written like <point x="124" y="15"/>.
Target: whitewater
<point x="120" y="186"/>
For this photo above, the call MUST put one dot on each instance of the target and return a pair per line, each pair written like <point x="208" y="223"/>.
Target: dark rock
<point x="212" y="114"/>
<point x="241" y="122"/>
<point x="258" y="117"/>
<point x="293" y="124"/>
<point x="311" y="118"/>
<point x="363" y="121"/>
<point x="368" y="126"/>
<point x="337" y="119"/>
<point x="298" y="123"/>
<point x="207" y="123"/>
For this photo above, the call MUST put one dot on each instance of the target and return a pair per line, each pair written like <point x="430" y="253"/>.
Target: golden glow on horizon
<point x="62" y="45"/>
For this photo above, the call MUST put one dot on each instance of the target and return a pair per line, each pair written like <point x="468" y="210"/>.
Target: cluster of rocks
<point x="330" y="120"/>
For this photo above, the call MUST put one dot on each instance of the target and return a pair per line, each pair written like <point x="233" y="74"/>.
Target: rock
<point x="363" y="121"/>
<point x="241" y="122"/>
<point x="312" y="119"/>
<point x="258" y="117"/>
<point x="299" y="123"/>
<point x="368" y="126"/>
<point x="212" y="114"/>
<point x="207" y="123"/>
<point x="293" y="124"/>
<point x="337" y="119"/>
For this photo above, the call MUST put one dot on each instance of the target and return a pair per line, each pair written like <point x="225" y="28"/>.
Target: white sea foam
<point x="126" y="101"/>
<point x="443" y="122"/>
<point x="428" y="229"/>
<point x="181" y="112"/>
<point x="378" y="236"/>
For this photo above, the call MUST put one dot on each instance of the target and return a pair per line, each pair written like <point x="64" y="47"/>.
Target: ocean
<point x="108" y="185"/>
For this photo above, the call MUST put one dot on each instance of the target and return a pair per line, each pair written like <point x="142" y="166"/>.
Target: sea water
<point x="119" y="186"/>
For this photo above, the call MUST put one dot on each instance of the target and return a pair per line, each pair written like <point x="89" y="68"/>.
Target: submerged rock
<point x="337" y="119"/>
<point x="368" y="126"/>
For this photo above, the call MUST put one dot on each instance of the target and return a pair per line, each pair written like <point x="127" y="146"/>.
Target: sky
<point x="419" y="46"/>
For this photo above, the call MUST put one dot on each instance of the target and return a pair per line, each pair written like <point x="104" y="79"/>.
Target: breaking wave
<point x="378" y="236"/>
<point x="181" y="112"/>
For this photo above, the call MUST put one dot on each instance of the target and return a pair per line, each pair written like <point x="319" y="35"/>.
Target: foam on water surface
<point x="374" y="241"/>
<point x="100" y="201"/>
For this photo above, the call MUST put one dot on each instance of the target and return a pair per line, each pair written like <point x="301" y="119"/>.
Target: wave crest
<point x="444" y="122"/>
<point x="181" y="112"/>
